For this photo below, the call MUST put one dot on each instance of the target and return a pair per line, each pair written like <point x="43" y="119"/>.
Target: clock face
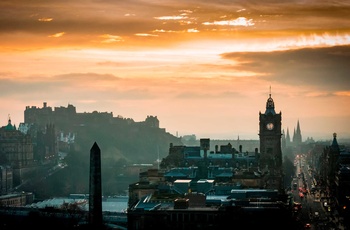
<point x="269" y="126"/>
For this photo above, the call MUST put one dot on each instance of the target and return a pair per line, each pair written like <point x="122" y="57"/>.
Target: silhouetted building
<point x="16" y="151"/>
<point x="68" y="116"/>
<point x="46" y="145"/>
<point x="152" y="121"/>
<point x="203" y="189"/>
<point x="270" y="146"/>
<point x="6" y="179"/>
<point x="330" y="165"/>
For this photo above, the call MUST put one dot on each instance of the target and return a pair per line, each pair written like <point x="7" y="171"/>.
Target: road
<point x="315" y="210"/>
<point x="46" y="171"/>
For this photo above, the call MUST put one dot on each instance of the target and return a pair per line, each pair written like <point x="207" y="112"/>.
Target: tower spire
<point x="335" y="145"/>
<point x="270" y="105"/>
<point x="297" y="138"/>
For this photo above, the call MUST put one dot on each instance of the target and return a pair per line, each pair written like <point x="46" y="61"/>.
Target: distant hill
<point x="118" y="137"/>
<point x="123" y="143"/>
<point x="133" y="143"/>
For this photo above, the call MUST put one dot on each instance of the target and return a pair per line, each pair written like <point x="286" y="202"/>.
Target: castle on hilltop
<point x="68" y="115"/>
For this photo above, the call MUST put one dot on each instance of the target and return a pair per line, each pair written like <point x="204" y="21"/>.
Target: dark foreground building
<point x="20" y="218"/>
<point x="197" y="211"/>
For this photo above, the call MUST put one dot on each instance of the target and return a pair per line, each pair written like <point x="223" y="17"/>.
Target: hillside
<point x="122" y="145"/>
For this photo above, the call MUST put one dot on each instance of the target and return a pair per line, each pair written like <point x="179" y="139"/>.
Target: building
<point x="270" y="134"/>
<point x="334" y="174"/>
<point x="241" y="208"/>
<point x="16" y="151"/>
<point x="6" y="179"/>
<point x="16" y="199"/>
<point x="66" y="117"/>
<point x="201" y="189"/>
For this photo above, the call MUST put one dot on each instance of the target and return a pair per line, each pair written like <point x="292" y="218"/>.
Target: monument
<point x="95" y="187"/>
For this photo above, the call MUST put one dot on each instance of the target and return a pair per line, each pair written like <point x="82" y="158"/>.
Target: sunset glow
<point x="202" y="68"/>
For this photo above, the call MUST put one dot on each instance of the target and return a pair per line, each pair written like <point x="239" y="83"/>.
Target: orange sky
<point x="201" y="67"/>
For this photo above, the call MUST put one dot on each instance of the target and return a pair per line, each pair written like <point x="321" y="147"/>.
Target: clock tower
<point x="270" y="161"/>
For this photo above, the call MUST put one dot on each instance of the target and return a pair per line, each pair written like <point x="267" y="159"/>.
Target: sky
<point x="202" y="67"/>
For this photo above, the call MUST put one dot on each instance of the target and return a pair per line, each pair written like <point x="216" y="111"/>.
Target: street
<point x="316" y="211"/>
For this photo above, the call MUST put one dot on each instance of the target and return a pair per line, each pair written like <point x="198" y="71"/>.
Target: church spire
<point x="298" y="128"/>
<point x="297" y="139"/>
<point x="288" y="136"/>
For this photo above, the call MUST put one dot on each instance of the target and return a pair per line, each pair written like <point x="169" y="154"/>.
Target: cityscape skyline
<point x="203" y="68"/>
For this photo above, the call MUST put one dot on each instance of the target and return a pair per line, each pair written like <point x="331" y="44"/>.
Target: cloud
<point x="146" y="35"/>
<point x="177" y="17"/>
<point x="84" y="21"/>
<point x="57" y="35"/>
<point x="108" y="38"/>
<point x="45" y="19"/>
<point x="240" y="21"/>
<point x="322" y="68"/>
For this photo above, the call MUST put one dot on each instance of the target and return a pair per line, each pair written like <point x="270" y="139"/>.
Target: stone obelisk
<point x="95" y="193"/>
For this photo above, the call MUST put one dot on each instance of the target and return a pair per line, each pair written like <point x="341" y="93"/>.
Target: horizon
<point x="203" y="68"/>
<point x="211" y="136"/>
